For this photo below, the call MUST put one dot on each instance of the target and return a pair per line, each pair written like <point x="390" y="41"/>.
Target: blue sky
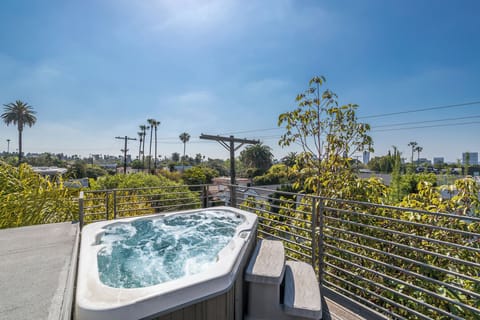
<point x="96" y="69"/>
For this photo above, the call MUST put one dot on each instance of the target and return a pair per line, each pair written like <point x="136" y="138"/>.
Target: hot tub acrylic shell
<point x="95" y="300"/>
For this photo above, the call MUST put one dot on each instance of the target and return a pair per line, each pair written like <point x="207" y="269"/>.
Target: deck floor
<point x="37" y="271"/>
<point x="338" y="307"/>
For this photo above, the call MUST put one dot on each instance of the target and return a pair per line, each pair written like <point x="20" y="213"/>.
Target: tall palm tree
<point x="155" y="124"/>
<point x="184" y="137"/>
<point x="140" y="136"/>
<point x="19" y="113"/>
<point x="418" y="149"/>
<point x="412" y="144"/>
<point x="144" y="129"/>
<point x="151" y="123"/>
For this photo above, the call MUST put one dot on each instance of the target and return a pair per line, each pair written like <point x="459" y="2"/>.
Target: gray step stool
<point x="265" y="273"/>
<point x="302" y="293"/>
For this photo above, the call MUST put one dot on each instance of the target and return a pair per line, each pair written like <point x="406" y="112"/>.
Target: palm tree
<point x="155" y="124"/>
<point x="418" y="149"/>
<point x="151" y="123"/>
<point x="19" y="113"/>
<point x="144" y="129"/>
<point x="412" y="144"/>
<point x="290" y="159"/>
<point x="184" y="137"/>
<point x="257" y="157"/>
<point x="140" y="136"/>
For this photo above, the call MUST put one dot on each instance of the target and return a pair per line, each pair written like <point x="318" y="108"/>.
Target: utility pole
<point x="8" y="146"/>
<point x="125" y="152"/>
<point x="229" y="144"/>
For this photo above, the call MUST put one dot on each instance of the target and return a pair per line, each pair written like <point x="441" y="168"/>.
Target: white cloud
<point x="265" y="86"/>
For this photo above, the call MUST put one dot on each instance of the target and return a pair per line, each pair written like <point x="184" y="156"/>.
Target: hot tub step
<point x="264" y="276"/>
<point x="302" y="293"/>
<point x="267" y="264"/>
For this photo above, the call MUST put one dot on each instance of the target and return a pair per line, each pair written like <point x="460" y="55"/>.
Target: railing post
<point x="81" y="211"/>
<point x="313" y="225"/>
<point x="233" y="196"/>
<point x="321" y="226"/>
<point x="106" y="205"/>
<point x="114" y="204"/>
<point x="205" y="196"/>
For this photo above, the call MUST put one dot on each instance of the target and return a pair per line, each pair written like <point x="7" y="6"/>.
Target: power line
<point x="432" y="126"/>
<point x="425" y="121"/>
<point x="384" y="115"/>
<point x="255" y="130"/>
<point x="422" y="109"/>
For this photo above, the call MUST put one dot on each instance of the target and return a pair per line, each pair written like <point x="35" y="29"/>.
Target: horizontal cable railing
<point x="97" y="205"/>
<point x="403" y="262"/>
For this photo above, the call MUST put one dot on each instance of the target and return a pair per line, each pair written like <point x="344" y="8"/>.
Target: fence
<point x="119" y="203"/>
<point x="402" y="262"/>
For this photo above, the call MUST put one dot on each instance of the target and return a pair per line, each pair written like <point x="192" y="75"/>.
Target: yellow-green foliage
<point x="374" y="249"/>
<point x="26" y="198"/>
<point x="136" y="194"/>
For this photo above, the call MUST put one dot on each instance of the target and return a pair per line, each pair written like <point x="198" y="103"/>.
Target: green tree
<point x="155" y="125"/>
<point x="413" y="145"/>
<point x="290" y="159"/>
<point x="382" y="164"/>
<point x="184" y="137"/>
<point x="175" y="157"/>
<point x="257" y="158"/>
<point x="198" y="158"/>
<point x="144" y="129"/>
<point x="217" y="164"/>
<point x="94" y="172"/>
<point x="328" y="133"/>
<point x="140" y="138"/>
<point x="418" y="149"/>
<point x="276" y="174"/>
<point x="19" y="113"/>
<point x="137" y="164"/>
<point x="77" y="170"/>
<point x="199" y="175"/>
<point x="152" y="123"/>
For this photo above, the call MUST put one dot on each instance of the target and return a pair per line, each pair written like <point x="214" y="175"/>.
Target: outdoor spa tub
<point x="186" y="265"/>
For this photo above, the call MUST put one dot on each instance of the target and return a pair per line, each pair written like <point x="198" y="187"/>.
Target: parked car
<point x="433" y="170"/>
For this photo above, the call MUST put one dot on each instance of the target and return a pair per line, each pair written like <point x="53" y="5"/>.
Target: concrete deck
<point x="37" y="271"/>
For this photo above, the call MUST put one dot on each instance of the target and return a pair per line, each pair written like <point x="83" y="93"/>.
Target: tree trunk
<point x="155" y="159"/>
<point x="20" y="129"/>
<point x="150" y="150"/>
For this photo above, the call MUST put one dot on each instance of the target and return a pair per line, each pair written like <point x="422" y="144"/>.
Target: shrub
<point x="26" y="198"/>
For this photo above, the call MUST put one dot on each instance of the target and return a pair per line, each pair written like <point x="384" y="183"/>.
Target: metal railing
<point x="402" y="262"/>
<point x="98" y="205"/>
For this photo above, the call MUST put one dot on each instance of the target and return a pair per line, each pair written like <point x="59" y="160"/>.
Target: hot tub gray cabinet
<point x="214" y="294"/>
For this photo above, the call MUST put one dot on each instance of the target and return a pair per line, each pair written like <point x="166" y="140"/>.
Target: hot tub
<point x="116" y="280"/>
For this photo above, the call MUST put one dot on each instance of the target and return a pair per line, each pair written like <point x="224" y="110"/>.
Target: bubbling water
<point x="148" y="252"/>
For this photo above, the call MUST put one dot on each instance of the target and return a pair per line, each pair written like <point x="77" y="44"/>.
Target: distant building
<point x="470" y="157"/>
<point x="423" y="161"/>
<point x="49" y="171"/>
<point x="438" y="161"/>
<point x="366" y="157"/>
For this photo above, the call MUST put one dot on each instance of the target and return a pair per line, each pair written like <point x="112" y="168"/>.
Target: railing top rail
<point x="147" y="188"/>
